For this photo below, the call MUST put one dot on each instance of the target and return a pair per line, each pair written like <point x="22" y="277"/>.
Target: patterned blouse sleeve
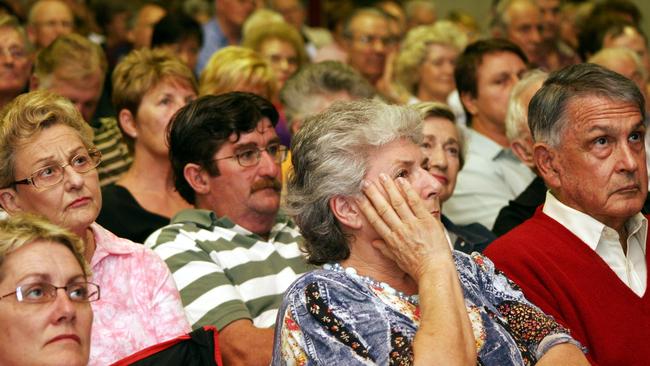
<point x="315" y="329"/>
<point x="534" y="331"/>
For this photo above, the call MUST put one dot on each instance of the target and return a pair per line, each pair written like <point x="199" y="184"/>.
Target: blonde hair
<point x="232" y="65"/>
<point x="261" y="17"/>
<point x="415" y="48"/>
<point x="77" y="57"/>
<point x="140" y="71"/>
<point x="27" y="115"/>
<point x="262" y="32"/>
<point x="25" y="228"/>
<point x="10" y="21"/>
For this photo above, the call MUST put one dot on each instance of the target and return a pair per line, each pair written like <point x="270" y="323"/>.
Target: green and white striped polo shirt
<point x="225" y="272"/>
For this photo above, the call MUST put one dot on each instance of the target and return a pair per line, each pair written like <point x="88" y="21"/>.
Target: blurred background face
<point x="55" y="333"/>
<point x="142" y="30"/>
<point x="51" y="19"/>
<point x="291" y="10"/>
<point x="156" y="110"/>
<point x="550" y="12"/>
<point x="441" y="148"/>
<point x="368" y="46"/>
<point x="187" y="50"/>
<point x="83" y="93"/>
<point x="235" y="11"/>
<point x="631" y="39"/>
<point x="525" y="27"/>
<point x="282" y="57"/>
<point x="15" y="63"/>
<point x="437" y="72"/>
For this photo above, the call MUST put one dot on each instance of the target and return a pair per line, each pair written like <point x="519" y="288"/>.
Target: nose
<point x="426" y="184"/>
<point x="536" y="36"/>
<point x="267" y="165"/>
<point x="379" y="45"/>
<point x="73" y="179"/>
<point x="628" y="159"/>
<point x="438" y="158"/>
<point x="63" y="309"/>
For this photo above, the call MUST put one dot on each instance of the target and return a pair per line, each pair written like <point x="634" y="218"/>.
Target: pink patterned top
<point x="139" y="306"/>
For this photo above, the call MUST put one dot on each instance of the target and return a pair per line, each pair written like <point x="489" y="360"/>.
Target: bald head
<point x="47" y="20"/>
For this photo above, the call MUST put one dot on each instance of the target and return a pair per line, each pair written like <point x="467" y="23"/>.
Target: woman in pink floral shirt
<point x="47" y="166"/>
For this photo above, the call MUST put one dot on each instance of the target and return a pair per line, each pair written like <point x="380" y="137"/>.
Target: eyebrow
<point x="245" y="145"/>
<point x="45" y="277"/>
<point x="609" y="129"/>
<point x="50" y="158"/>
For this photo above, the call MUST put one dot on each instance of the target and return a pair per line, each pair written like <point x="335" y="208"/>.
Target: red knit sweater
<point x="559" y="273"/>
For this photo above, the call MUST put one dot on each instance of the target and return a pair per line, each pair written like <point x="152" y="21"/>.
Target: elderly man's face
<point x="550" y="10"/>
<point x="525" y="27"/>
<point x="51" y="19"/>
<point x="599" y="165"/>
<point x="369" y="43"/>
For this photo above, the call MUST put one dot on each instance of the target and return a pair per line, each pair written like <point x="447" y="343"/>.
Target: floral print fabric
<point x="329" y="318"/>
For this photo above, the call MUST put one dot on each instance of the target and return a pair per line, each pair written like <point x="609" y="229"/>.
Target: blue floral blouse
<point x="329" y="318"/>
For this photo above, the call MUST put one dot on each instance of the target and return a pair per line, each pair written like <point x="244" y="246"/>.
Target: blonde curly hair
<point x="416" y="46"/>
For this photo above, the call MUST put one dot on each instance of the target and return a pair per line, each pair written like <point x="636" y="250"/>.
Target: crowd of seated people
<point x="397" y="187"/>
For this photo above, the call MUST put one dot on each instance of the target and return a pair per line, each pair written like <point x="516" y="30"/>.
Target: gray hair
<point x="547" y="112"/>
<point x="517" y="113"/>
<point x="330" y="157"/>
<point x="501" y="20"/>
<point x="618" y="53"/>
<point x="300" y="93"/>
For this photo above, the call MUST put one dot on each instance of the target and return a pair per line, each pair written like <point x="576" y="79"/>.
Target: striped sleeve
<point x="208" y="295"/>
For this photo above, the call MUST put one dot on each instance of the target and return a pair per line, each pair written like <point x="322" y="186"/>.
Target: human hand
<point x="412" y="236"/>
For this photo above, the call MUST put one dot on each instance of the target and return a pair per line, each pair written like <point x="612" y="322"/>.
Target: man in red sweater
<point x="583" y="256"/>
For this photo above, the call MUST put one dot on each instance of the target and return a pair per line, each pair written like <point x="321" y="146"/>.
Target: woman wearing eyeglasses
<point x="44" y="294"/>
<point x="47" y="167"/>
<point x="149" y="86"/>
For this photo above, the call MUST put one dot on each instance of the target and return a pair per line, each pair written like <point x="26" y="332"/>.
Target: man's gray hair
<point x="330" y="155"/>
<point x="516" y="116"/>
<point x="547" y="112"/>
<point x="301" y="92"/>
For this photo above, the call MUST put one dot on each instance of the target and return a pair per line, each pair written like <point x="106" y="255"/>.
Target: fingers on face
<point x="414" y="200"/>
<point x="375" y="215"/>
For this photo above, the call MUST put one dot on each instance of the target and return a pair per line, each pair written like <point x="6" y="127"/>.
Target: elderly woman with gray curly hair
<point x="391" y="290"/>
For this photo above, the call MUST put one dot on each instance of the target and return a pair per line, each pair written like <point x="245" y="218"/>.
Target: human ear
<point x="523" y="152"/>
<point x="127" y="122"/>
<point x="469" y="102"/>
<point x="33" y="82"/>
<point x="346" y="211"/>
<point x="545" y="158"/>
<point x="9" y="200"/>
<point x="197" y="178"/>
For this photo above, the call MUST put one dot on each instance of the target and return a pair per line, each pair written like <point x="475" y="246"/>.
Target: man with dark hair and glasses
<point x="234" y="254"/>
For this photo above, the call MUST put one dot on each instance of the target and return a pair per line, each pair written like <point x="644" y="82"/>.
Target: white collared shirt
<point x="631" y="268"/>
<point x="491" y="177"/>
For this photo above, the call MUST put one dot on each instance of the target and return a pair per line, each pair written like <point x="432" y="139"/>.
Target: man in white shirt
<point x="485" y="74"/>
<point x="583" y="257"/>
